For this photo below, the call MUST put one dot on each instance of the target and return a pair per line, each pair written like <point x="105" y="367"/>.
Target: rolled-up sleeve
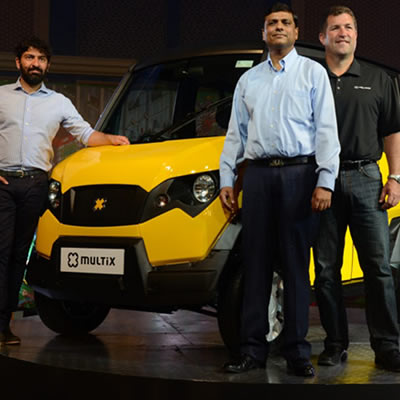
<point x="74" y="123"/>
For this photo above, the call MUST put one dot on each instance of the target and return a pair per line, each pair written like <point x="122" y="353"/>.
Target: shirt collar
<point x="354" y="69"/>
<point x="286" y="61"/>
<point x="42" y="89"/>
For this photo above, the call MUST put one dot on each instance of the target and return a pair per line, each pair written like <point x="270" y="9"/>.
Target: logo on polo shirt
<point x="363" y="87"/>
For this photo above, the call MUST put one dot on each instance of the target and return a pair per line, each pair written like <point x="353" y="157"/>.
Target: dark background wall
<point x="378" y="26"/>
<point x="142" y="28"/>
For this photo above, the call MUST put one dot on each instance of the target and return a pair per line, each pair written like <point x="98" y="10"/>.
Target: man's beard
<point x="33" y="79"/>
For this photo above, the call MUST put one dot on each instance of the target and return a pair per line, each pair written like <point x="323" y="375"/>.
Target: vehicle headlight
<point x="204" y="188"/>
<point x="191" y="193"/>
<point x="54" y="194"/>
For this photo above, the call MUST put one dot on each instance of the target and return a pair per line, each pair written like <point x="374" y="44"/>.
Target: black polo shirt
<point x="367" y="110"/>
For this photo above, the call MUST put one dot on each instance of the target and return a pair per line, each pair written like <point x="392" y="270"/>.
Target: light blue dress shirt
<point x="286" y="113"/>
<point x="29" y="122"/>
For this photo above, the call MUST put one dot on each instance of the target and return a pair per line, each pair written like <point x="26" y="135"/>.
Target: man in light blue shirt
<point x="30" y="116"/>
<point x="283" y="123"/>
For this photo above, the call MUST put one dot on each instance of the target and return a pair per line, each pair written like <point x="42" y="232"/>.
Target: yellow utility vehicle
<point x="141" y="226"/>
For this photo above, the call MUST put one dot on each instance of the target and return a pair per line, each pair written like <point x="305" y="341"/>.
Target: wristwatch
<point x="395" y="177"/>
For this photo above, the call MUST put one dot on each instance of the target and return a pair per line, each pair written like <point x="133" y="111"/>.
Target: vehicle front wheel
<point x="230" y="304"/>
<point x="68" y="317"/>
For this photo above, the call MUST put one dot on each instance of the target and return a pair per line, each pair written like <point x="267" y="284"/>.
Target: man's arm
<point x="232" y="153"/>
<point x="96" y="139"/>
<point x="81" y="129"/>
<point x="327" y="143"/>
<point x="101" y="139"/>
<point x="390" y="195"/>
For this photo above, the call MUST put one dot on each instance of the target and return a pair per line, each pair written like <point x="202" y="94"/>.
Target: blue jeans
<point x="355" y="204"/>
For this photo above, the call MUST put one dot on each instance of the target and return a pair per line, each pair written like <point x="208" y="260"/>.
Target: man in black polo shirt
<point x="368" y="118"/>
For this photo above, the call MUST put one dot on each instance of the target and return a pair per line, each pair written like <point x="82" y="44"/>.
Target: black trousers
<point x="21" y="203"/>
<point x="278" y="228"/>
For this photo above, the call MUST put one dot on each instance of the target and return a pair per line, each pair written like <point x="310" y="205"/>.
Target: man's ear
<point x="322" y="39"/>
<point x="264" y="35"/>
<point x="18" y="63"/>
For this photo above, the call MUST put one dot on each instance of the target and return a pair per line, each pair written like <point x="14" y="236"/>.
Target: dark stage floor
<point x="163" y="356"/>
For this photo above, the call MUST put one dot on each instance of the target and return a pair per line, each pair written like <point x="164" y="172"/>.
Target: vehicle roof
<point x="311" y="50"/>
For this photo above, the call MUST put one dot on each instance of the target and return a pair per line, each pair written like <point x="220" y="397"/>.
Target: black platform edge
<point x="22" y="379"/>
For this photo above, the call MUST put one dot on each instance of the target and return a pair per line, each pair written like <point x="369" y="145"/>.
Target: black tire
<point x="229" y="305"/>
<point x="68" y="317"/>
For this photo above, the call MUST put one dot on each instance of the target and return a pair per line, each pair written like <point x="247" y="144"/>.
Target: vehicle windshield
<point x="184" y="99"/>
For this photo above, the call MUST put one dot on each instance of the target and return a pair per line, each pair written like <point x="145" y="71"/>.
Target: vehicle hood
<point x="145" y="165"/>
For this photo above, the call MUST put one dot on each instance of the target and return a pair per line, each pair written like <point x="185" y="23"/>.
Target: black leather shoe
<point x="332" y="356"/>
<point x="389" y="360"/>
<point x="244" y="364"/>
<point x="300" y="367"/>
<point x="8" y="338"/>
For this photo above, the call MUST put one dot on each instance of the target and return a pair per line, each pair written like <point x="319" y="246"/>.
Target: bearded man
<point x="30" y="116"/>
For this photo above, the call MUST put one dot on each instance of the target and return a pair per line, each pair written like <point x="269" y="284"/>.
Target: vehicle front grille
<point x="103" y="205"/>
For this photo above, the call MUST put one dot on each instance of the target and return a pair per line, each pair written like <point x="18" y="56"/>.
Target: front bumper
<point x="140" y="287"/>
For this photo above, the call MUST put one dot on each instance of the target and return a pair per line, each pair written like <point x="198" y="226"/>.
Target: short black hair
<point x="334" y="11"/>
<point x="34" y="42"/>
<point x="277" y="7"/>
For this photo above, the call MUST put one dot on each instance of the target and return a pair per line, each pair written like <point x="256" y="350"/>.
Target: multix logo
<point x="74" y="260"/>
